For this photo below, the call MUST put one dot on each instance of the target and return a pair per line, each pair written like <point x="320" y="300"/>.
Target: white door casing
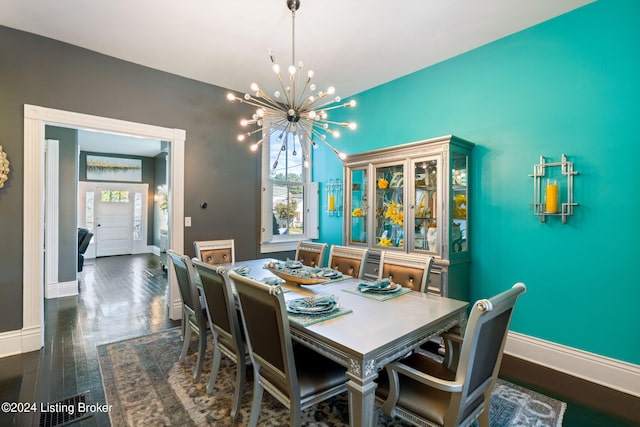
<point x="31" y="336"/>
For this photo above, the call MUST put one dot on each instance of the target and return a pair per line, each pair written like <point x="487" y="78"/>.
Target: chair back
<point x="311" y="254"/>
<point x="215" y="251"/>
<point x="267" y="331"/>
<point x="221" y="307"/>
<point x="84" y="238"/>
<point x="481" y="352"/>
<point x="186" y="274"/>
<point x="409" y="270"/>
<point x="348" y="260"/>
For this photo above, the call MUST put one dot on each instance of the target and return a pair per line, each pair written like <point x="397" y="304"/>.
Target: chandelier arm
<point x="266" y="102"/>
<point x="332" y="122"/>
<point x="333" y="107"/>
<point x="255" y="102"/>
<point x="315" y="102"/>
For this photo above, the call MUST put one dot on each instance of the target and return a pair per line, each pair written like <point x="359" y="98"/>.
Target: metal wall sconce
<point x="334" y="197"/>
<point x="548" y="186"/>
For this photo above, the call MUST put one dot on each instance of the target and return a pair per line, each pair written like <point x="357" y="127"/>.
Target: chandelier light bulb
<point x="260" y="112"/>
<point x="244" y="122"/>
<point x="342" y="156"/>
<point x="353" y="126"/>
<point x="336" y="133"/>
<point x="292" y="69"/>
<point x="306" y="163"/>
<point x="276" y="68"/>
<point x="276" y="94"/>
<point x="254" y="147"/>
<point x="247" y="97"/>
<point x="231" y="97"/>
<point x="312" y="86"/>
<point x="312" y="115"/>
<point x="255" y="87"/>
<point x="310" y="74"/>
<point x="300" y="65"/>
<point x="331" y="90"/>
<point x="352" y="103"/>
<point x="241" y="137"/>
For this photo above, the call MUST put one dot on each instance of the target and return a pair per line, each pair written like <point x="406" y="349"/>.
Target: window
<point x="114" y="196"/>
<point x="290" y="200"/>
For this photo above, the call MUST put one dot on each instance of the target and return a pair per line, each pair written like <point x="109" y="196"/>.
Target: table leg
<point x="361" y="400"/>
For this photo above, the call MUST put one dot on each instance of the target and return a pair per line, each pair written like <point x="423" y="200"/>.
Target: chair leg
<point x="483" y="419"/>
<point x="217" y="355"/>
<point x="295" y="413"/>
<point x="202" y="347"/>
<point x="257" y="401"/>
<point x="241" y="370"/>
<point x="186" y="338"/>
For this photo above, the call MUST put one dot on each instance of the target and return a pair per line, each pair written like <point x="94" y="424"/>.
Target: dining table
<point x="367" y="332"/>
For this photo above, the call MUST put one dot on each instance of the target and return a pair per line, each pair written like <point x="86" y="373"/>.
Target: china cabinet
<point x="413" y="198"/>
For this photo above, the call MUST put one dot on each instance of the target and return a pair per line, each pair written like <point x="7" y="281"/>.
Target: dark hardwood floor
<point x="120" y="297"/>
<point x="124" y="296"/>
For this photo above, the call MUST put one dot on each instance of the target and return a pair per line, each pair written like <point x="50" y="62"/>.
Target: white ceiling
<point x="102" y="142"/>
<point x="353" y="45"/>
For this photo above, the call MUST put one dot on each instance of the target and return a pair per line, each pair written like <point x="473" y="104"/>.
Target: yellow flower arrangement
<point x="357" y="212"/>
<point x="384" y="241"/>
<point x="383" y="183"/>
<point x="395" y="213"/>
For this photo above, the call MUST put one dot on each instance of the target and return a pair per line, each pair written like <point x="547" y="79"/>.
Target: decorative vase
<point x="432" y="238"/>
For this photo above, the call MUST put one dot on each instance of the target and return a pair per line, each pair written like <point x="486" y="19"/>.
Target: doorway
<point x="35" y="119"/>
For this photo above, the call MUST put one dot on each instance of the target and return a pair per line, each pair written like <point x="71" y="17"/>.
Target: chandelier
<point x="296" y="110"/>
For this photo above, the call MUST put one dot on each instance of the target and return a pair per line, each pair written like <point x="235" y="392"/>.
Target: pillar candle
<point x="551" y="196"/>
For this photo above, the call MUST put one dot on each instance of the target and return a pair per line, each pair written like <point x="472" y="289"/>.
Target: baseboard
<point x="61" y="289"/>
<point x="20" y="341"/>
<point x="608" y="372"/>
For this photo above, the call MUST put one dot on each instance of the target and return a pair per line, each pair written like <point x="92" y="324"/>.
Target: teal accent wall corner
<point x="566" y="86"/>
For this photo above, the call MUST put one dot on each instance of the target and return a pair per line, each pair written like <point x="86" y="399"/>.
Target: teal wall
<point x="569" y="85"/>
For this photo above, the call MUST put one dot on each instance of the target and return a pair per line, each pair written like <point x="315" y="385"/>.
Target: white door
<point x="114" y="221"/>
<point x="116" y="213"/>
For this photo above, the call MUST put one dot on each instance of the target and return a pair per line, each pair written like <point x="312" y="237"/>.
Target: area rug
<point x="146" y="385"/>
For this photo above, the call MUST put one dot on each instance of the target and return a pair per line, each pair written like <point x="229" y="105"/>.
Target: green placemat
<point x="377" y="296"/>
<point x="310" y="319"/>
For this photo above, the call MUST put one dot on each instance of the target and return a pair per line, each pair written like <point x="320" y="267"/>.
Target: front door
<point x="114" y="225"/>
<point x="116" y="213"/>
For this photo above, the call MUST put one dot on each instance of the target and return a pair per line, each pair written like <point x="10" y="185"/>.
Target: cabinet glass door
<point x="358" y="197"/>
<point x="424" y="223"/>
<point x="459" y="203"/>
<point x="389" y="208"/>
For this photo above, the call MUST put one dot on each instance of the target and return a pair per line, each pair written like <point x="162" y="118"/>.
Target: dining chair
<point x="409" y="270"/>
<point x="295" y="375"/>
<point x="311" y="254"/>
<point x="215" y="251"/>
<point x="348" y="260"/>
<point x="225" y="326"/>
<point x="424" y="392"/>
<point x="193" y="316"/>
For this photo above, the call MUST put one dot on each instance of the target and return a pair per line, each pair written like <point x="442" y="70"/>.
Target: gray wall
<point x="67" y="200"/>
<point x="44" y="72"/>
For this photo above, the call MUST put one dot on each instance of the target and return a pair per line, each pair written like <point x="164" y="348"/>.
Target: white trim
<point x="280" y="246"/>
<point x="52" y="148"/>
<point x="14" y="342"/>
<point x="35" y="119"/>
<point x="61" y="289"/>
<point x="612" y="373"/>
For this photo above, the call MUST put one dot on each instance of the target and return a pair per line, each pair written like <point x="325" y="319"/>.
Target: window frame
<point x="277" y="243"/>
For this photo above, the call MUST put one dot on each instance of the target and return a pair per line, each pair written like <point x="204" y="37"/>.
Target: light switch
<point x="187" y="221"/>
